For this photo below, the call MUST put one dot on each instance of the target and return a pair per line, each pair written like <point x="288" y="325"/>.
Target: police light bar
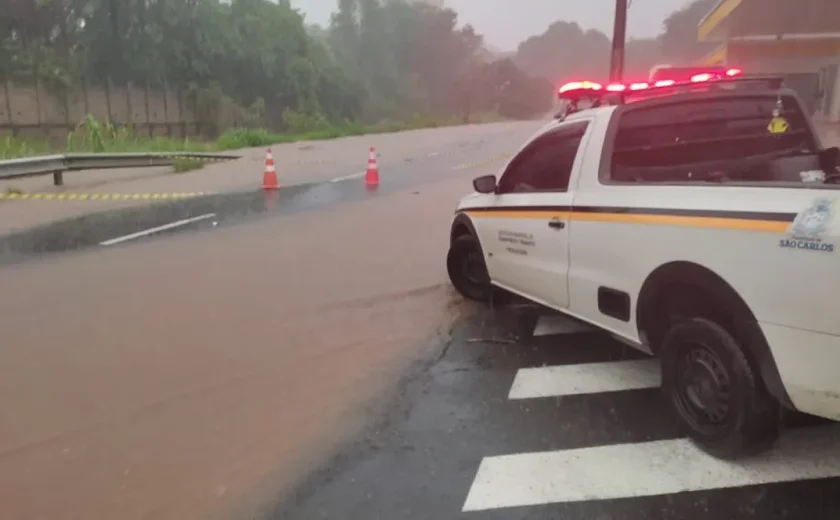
<point x="699" y="78"/>
<point x="679" y="74"/>
<point x="617" y="93"/>
<point x="579" y="87"/>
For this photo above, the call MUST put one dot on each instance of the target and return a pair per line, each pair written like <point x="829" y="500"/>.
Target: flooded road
<point x="302" y="355"/>
<point x="183" y="376"/>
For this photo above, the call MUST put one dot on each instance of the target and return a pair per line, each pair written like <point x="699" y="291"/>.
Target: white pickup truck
<point x="697" y="222"/>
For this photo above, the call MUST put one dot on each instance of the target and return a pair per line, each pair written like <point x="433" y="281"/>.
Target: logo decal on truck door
<point x="516" y="238"/>
<point x="806" y="231"/>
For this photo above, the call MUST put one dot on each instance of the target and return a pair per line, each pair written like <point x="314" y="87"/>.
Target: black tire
<point x="467" y="269"/>
<point x="722" y="405"/>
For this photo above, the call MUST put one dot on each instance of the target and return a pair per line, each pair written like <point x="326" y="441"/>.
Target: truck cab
<point x="695" y="221"/>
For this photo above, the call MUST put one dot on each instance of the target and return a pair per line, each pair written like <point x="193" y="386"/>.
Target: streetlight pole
<point x="619" y="36"/>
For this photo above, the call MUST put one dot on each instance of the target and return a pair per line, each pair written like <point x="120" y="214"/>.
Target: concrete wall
<point x="38" y="111"/>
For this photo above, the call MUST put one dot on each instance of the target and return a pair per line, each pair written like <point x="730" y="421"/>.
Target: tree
<point x="565" y="52"/>
<point x="679" y="39"/>
<point x="512" y="93"/>
<point x="377" y="59"/>
<point x="412" y="58"/>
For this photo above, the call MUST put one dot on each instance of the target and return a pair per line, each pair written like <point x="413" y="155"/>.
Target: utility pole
<point x="619" y="36"/>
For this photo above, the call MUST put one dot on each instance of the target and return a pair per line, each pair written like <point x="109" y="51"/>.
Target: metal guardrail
<point x="56" y="165"/>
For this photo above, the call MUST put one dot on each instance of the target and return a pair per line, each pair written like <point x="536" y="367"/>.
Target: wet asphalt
<point x="426" y="440"/>
<point x="185" y="391"/>
<point x="419" y="457"/>
<point x="90" y="230"/>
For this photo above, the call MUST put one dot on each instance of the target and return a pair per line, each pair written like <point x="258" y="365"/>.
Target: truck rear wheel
<point x="467" y="269"/>
<point x="717" y="397"/>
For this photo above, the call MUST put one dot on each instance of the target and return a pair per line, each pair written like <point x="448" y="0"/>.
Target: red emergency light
<point x="684" y="74"/>
<point x="582" y="86"/>
<point x="583" y="95"/>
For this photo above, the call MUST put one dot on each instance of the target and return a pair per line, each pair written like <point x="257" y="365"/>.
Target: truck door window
<point x="713" y="140"/>
<point x="545" y="164"/>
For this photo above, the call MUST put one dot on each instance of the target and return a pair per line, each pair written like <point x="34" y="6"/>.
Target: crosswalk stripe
<point x="645" y="469"/>
<point x="588" y="378"/>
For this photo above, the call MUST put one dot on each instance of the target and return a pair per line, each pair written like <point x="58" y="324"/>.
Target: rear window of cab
<point x="744" y="139"/>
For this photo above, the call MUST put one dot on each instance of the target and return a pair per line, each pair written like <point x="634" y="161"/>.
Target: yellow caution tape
<point x="99" y="196"/>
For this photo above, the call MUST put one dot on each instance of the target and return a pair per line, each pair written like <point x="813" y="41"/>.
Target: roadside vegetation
<point x="98" y="137"/>
<point x="379" y="66"/>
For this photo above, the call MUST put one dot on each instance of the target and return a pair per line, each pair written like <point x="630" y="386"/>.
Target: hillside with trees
<point x="378" y="60"/>
<point x="566" y="52"/>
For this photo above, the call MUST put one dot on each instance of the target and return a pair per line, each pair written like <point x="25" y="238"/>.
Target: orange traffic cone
<point x="270" y="174"/>
<point x="372" y="173"/>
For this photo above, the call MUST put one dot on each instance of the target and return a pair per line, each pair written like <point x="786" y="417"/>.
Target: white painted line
<point x="646" y="469"/>
<point x="557" y="324"/>
<point x="351" y="176"/>
<point x="153" y="230"/>
<point x="589" y="378"/>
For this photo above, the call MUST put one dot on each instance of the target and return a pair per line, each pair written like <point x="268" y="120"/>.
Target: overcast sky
<point x="505" y="23"/>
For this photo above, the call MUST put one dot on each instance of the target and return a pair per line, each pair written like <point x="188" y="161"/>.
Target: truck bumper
<point x="809" y="366"/>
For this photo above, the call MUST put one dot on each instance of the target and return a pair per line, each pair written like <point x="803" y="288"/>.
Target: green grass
<point x="91" y="135"/>
<point x="11" y="147"/>
<point x="182" y="165"/>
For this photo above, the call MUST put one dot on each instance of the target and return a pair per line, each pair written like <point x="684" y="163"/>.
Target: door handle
<point x="556" y="223"/>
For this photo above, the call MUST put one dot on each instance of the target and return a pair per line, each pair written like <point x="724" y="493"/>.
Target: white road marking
<point x="551" y="324"/>
<point x="589" y="378"/>
<point x="646" y="469"/>
<point x="150" y="231"/>
<point x="351" y="176"/>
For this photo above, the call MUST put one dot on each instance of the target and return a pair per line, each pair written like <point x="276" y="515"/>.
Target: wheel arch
<point x="462" y="225"/>
<point x="699" y="283"/>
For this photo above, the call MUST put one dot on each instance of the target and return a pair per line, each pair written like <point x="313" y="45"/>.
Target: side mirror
<point x="830" y="159"/>
<point x="485" y="184"/>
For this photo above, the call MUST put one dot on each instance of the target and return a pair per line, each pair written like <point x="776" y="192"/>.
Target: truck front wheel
<point x="717" y="397"/>
<point x="467" y="269"/>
